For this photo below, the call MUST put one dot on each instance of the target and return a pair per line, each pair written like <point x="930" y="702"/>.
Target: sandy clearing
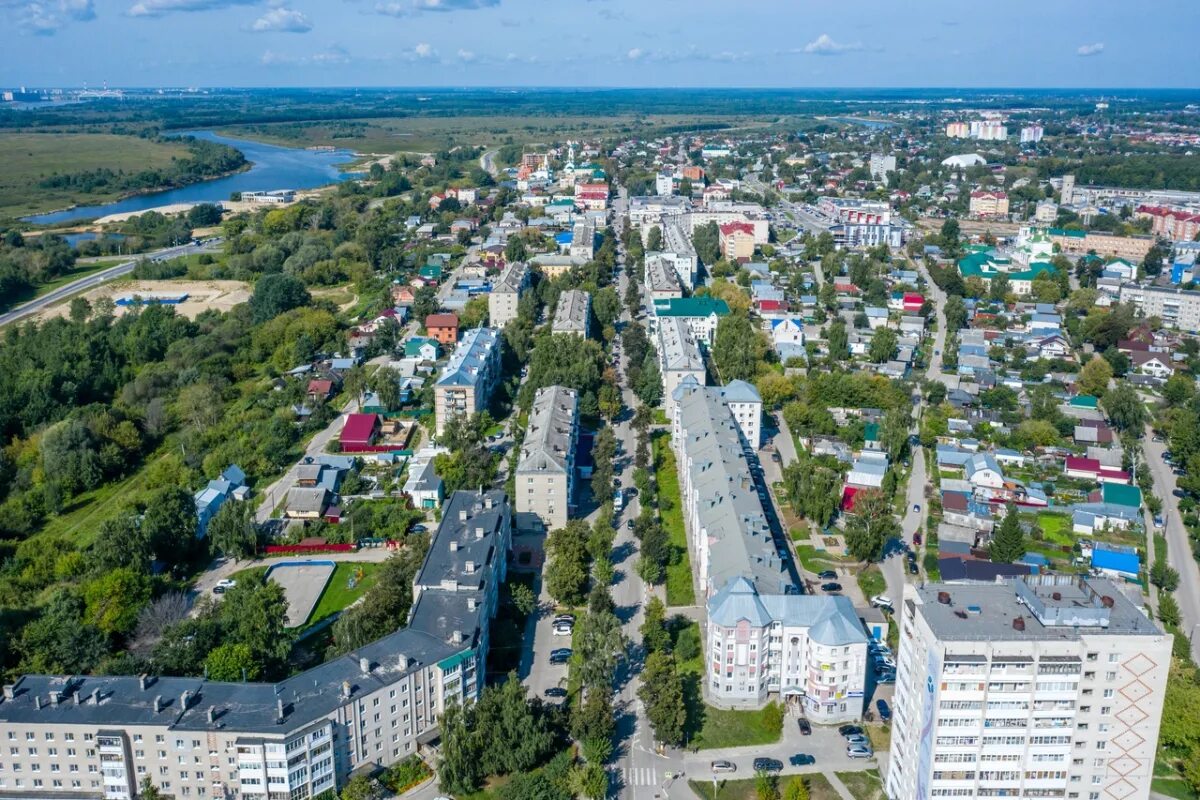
<point x="202" y="295"/>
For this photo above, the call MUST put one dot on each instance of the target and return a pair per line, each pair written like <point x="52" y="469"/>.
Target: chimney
<point x="1107" y="601"/>
<point x="470" y="567"/>
<point x="37" y="701"/>
<point x="402" y="661"/>
<point x="1018" y="623"/>
<point x="346" y="690"/>
<point x="453" y="547"/>
<point x="77" y="697"/>
<point x="183" y="700"/>
<point x="55" y="697"/>
<point x="212" y="714"/>
<point x="364" y="665"/>
<point x="279" y="709"/>
<point x="944" y="598"/>
<point x="158" y="704"/>
<point x="9" y="691"/>
<point x="96" y="697"/>
<point x="479" y="533"/>
<point x="142" y="681"/>
<point x="487" y="502"/>
<point x="457" y="637"/>
<point x="1056" y="596"/>
<point x="472" y="603"/>
<point x="462" y="515"/>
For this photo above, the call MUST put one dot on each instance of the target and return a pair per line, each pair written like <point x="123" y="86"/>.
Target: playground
<point x="303" y="583"/>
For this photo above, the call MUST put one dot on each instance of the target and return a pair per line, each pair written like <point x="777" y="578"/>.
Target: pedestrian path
<point x="635" y="776"/>
<point x="838" y="786"/>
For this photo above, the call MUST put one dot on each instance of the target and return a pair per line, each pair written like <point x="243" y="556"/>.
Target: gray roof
<point x="831" y="619"/>
<point x="550" y="433"/>
<point x="660" y="274"/>
<point x="677" y="347"/>
<point x="739" y="391"/>
<point x="513" y="279"/>
<point x="571" y="314"/>
<point x="473" y="357"/>
<point x="989" y="609"/>
<point x="305" y="500"/>
<point x="468" y="535"/>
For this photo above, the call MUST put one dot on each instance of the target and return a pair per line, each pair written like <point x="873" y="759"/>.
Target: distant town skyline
<point x="661" y="43"/>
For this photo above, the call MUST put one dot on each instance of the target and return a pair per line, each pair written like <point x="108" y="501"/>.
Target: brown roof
<point x="954" y="501"/>
<point x="441" y="321"/>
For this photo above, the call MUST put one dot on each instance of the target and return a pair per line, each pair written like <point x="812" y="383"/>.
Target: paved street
<point x="938" y="297"/>
<point x="1179" y="548"/>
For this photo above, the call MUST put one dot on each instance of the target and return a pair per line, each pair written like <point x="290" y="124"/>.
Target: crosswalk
<point x="636" y="776"/>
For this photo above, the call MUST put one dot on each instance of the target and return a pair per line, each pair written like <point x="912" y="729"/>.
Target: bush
<point x="688" y="645"/>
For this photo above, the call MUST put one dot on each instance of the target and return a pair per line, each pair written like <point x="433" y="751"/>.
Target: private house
<point x="962" y="510"/>
<point x="306" y="503"/>
<point x="1118" y="494"/>
<point x="1156" y="364"/>
<point x="867" y="473"/>
<point x="359" y="432"/>
<point x="209" y="500"/>
<point x="319" y="390"/>
<point x="423" y="348"/>
<point x="1091" y="469"/>
<point x="423" y="485"/>
<point x="1092" y="518"/>
<point x="1116" y="561"/>
<point x="442" y="327"/>
<point x="982" y="471"/>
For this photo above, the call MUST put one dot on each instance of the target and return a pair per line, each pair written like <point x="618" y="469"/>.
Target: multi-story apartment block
<point x="988" y="203"/>
<point x="958" y="130"/>
<point x="469" y="376"/>
<point x="1108" y="245"/>
<point x="701" y="314"/>
<point x="103" y="736"/>
<point x="677" y="244"/>
<point x="506" y="294"/>
<point x="737" y="241"/>
<point x="583" y="239"/>
<point x="679" y="358"/>
<point x="662" y="281"/>
<point x="881" y="165"/>
<point x="1176" y="307"/>
<point x="1038" y="686"/>
<point x="1032" y="134"/>
<point x="573" y="313"/>
<point x="762" y="637"/>
<point x="545" y="476"/>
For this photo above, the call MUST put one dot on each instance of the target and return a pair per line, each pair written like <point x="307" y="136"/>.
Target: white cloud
<point x="406" y="8"/>
<point x="635" y="54"/>
<point x="824" y="45"/>
<point x="466" y="55"/>
<point x="47" y="17"/>
<point x="333" y="55"/>
<point x="424" y="50"/>
<point x="282" y="20"/>
<point x="157" y="8"/>
<point x="1093" y="49"/>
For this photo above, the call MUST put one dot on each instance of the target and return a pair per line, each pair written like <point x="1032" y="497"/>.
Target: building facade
<point x="573" y="314"/>
<point x="1036" y="686"/>
<point x="470" y="375"/>
<point x="1177" y="308"/>
<point x="679" y="358"/>
<point x="989" y="204"/>
<point x="545" y="476"/>
<point x="102" y="736"/>
<point x="506" y="294"/>
<point x="662" y="281"/>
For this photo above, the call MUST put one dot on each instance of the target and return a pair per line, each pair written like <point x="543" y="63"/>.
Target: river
<point x="272" y="167"/>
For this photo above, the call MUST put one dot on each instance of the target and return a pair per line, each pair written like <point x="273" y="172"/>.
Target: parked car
<point x="857" y="751"/>
<point x="881" y="600"/>
<point x="850" y="730"/>
<point x="556" y="691"/>
<point x="916" y="539"/>
<point x="827" y="575"/>
<point x="629" y="524"/>
<point x="775" y="457"/>
<point x="801" y="760"/>
<point x="564" y="618"/>
<point x="563" y="628"/>
<point x="219" y="590"/>
<point x="767" y="765"/>
<point x="885" y="711"/>
<point x="917" y="507"/>
<point x="831" y="587"/>
<point x="804" y="726"/>
<point x="912" y="568"/>
<point x="227" y="583"/>
<point x="562" y="653"/>
<point x="858" y="739"/>
<point x="724" y="766"/>
<point x="1158" y="521"/>
<point x="886" y="676"/>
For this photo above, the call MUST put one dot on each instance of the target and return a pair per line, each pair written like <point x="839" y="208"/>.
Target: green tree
<point x="254" y="613"/>
<point x="737" y="348"/>
<point x="567" y="567"/>
<point x="649" y="387"/>
<point x="523" y="598"/>
<point x="1095" y="376"/>
<point x="1125" y="408"/>
<point x="459" y="770"/>
<point x="1164" y="576"/>
<point x="120" y="542"/>
<point x="148" y="791"/>
<point x="1168" y="610"/>
<point x="593" y="719"/>
<point x="170" y="525"/>
<point x="662" y="693"/>
<point x="766" y="786"/>
<point x="796" y="789"/>
<point x="956" y="313"/>
<point x="360" y="787"/>
<point x="839" y="341"/>
<point x="276" y="293"/>
<point x="600" y="644"/>
<point x="655" y="636"/>
<point x="115" y="599"/>
<point x="1008" y="544"/>
<point x="883" y="345"/>
<point x="1179" y="390"/>
<point x="654" y="239"/>
<point x="233" y="531"/>
<point x="870" y="525"/>
<point x="232" y="662"/>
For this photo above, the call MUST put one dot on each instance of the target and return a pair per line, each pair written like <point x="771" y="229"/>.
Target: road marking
<point x="637" y="776"/>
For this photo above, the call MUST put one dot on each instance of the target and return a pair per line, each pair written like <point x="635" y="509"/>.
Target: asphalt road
<point x="935" y="371"/>
<point x="95" y="279"/>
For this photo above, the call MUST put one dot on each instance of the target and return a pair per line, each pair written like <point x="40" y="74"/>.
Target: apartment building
<point x="737" y="241"/>
<point x="881" y="165"/>
<point x="545" y="476"/>
<point x="1032" y="134"/>
<point x="102" y="736"/>
<point x="470" y="375"/>
<point x="679" y="358"/>
<point x="958" y="130"/>
<point x="583" y="239"/>
<point x="723" y="212"/>
<point x="506" y="294"/>
<point x="646" y="211"/>
<point x="1107" y="245"/>
<point x="988" y="203"/>
<point x="1035" y="686"/>
<point x="1176" y="308"/>
<point x="762" y="638"/>
<point x="677" y="245"/>
<point x="662" y="281"/>
<point x="701" y="314"/>
<point x="573" y="314"/>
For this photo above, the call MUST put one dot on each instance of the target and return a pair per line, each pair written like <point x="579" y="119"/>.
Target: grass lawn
<point x="1160" y="547"/>
<point x="1172" y="787"/>
<point x="865" y="785"/>
<point x="82" y="517"/>
<point x="872" y="582"/>
<point x="815" y="560"/>
<point x="744" y="788"/>
<point x="338" y="594"/>
<point x="680" y="591"/>
<point x="1056" y="528"/>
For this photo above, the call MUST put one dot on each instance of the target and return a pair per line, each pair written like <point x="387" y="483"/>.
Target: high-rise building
<point x="1037" y="686"/>
<point x="958" y="130"/>
<point x="505" y="296"/>
<point x="881" y="165"/>
<point x="469" y="376"/>
<point x="1032" y="134"/>
<point x="545" y="477"/>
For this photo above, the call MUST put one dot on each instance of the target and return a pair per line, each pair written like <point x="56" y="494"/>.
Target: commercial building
<point x="470" y="375"/>
<point x="987" y="264"/>
<point x="1108" y="245"/>
<point x="506" y="294"/>
<point x="679" y="357"/>
<point x="573" y="313"/>
<point x="662" y="281"/>
<point x="545" y="476"/>
<point x="1046" y="212"/>
<point x="645" y="211"/>
<point x="1034" y="686"/>
<point x="863" y="223"/>
<point x="1177" y="308"/>
<point x="988" y="204"/>
<point x="101" y="736"/>
<point x="591" y="196"/>
<point x="763" y="639"/>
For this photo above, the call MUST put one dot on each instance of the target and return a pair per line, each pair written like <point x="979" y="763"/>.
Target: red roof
<point x="734" y="227"/>
<point x="441" y="321"/>
<point x="1083" y="464"/>
<point x="913" y="297"/>
<point x="848" y="494"/>
<point x="772" y="305"/>
<point x="997" y="195"/>
<point x="845" y="287"/>
<point x="316" y="386"/>
<point x="359" y="429"/>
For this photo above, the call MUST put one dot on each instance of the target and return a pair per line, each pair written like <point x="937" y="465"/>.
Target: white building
<point x="1041" y="686"/>
<point x="662" y="280"/>
<point x="678" y="249"/>
<point x="583" y="239"/>
<point x="679" y="358"/>
<point x="545" y="476"/>
<point x="505" y="296"/>
<point x="664" y="183"/>
<point x="881" y="165"/>
<point x="1176" y="308"/>
<point x="1032" y="134"/>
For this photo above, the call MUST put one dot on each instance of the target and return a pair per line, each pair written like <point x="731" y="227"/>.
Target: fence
<point x="307" y="549"/>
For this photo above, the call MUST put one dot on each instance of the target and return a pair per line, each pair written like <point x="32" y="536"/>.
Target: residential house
<point x="307" y="503"/>
<point x="1093" y="518"/>
<point x="1156" y="364"/>
<point x="422" y="347"/>
<point x="442" y="327"/>
<point x="981" y="470"/>
<point x="423" y="486"/>
<point x="359" y="432"/>
<point x="1090" y="469"/>
<point x="209" y="500"/>
<point x="962" y="510"/>
<point x="1116" y="561"/>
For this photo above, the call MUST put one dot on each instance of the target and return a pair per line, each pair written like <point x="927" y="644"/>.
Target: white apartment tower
<point x="1040" y="686"/>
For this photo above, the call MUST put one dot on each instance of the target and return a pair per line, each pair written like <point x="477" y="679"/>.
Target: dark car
<point x="827" y="575"/>
<point x="850" y="730"/>
<point x="912" y="568"/>
<point x="802" y="760"/>
<point x="831" y="587"/>
<point x="885" y="711"/>
<point x="767" y="765"/>
<point x="556" y="691"/>
<point x="805" y="728"/>
<point x="917" y="539"/>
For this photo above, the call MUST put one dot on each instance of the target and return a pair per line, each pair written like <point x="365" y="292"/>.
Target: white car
<point x="881" y="600"/>
<point x="563" y="629"/>
<point x="226" y="583"/>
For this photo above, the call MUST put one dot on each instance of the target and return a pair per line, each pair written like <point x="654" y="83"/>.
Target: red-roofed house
<point x="848" y="495"/>
<point x="403" y="295"/>
<point x="989" y="204"/>
<point x="737" y="241"/>
<point x="319" y="390"/>
<point x="1090" y="468"/>
<point x="772" y="306"/>
<point x="591" y="196"/>
<point x="359" y="431"/>
<point x="845" y="287"/>
<point x="442" y="327"/>
<point x="913" y="301"/>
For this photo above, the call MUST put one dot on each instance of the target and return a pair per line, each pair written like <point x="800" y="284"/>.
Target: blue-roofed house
<point x="951" y="456"/>
<point x="982" y="470"/>
<point x="1114" y="560"/>
<point x="1088" y="518"/>
<point x="209" y="500"/>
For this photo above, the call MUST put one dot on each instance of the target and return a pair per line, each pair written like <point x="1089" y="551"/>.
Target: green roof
<point x="981" y="264"/>
<point x="1084" y="401"/>
<point x="431" y="271"/>
<point x="413" y="346"/>
<point x="691" y="307"/>
<point x="871" y="432"/>
<point x="1121" y="495"/>
<point x="453" y="661"/>
<point x="1065" y="232"/>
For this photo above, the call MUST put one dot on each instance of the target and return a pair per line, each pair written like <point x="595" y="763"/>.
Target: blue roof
<point x="1116" y="559"/>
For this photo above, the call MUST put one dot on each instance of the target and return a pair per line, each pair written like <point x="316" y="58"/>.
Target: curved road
<point x="487" y="162"/>
<point x="95" y="279"/>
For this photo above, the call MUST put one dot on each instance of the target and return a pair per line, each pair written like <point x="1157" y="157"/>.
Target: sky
<point x="659" y="43"/>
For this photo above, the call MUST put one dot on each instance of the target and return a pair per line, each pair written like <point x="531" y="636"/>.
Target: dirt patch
<point x="200" y="296"/>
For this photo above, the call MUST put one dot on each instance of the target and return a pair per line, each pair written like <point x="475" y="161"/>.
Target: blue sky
<point x="763" y="43"/>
